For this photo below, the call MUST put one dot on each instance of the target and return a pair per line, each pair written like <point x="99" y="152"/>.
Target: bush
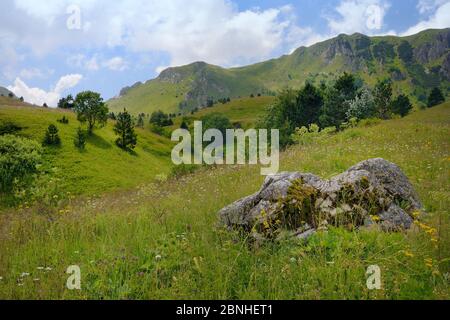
<point x="159" y="118"/>
<point x="304" y="135"/>
<point x="363" y="106"/>
<point x="436" y="97"/>
<point x="183" y="170"/>
<point x="157" y="130"/>
<point x="9" y="128"/>
<point x="19" y="158"/>
<point x="51" y="136"/>
<point x="369" y="122"/>
<point x="216" y="121"/>
<point x="80" y="139"/>
<point x="401" y="105"/>
<point x="63" y="120"/>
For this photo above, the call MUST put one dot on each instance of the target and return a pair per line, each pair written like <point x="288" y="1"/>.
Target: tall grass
<point x="161" y="241"/>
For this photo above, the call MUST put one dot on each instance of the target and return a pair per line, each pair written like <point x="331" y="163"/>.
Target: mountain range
<point x="415" y="63"/>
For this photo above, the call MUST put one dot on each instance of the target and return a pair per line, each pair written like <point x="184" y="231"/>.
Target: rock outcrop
<point x="299" y="204"/>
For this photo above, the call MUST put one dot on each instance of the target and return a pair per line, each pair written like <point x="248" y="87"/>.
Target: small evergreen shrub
<point x="80" y="139"/>
<point x="63" y="120"/>
<point x="51" y="136"/>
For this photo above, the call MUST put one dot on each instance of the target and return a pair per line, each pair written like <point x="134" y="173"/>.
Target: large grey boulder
<point x="302" y="203"/>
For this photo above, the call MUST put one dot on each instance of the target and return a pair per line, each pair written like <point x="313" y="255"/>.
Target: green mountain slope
<point x="415" y="63"/>
<point x="243" y="112"/>
<point x="102" y="166"/>
<point x="4" y="92"/>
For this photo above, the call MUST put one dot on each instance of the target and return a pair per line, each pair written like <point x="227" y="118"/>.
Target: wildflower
<point x="36" y="279"/>
<point x="409" y="254"/>
<point x="416" y="214"/>
<point x="1" y="278"/>
<point x="158" y="257"/>
<point x="40" y="268"/>
<point x="24" y="274"/>
<point x="293" y="260"/>
<point x="48" y="269"/>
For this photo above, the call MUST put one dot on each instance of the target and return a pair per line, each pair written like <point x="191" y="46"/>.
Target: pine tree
<point x="51" y="136"/>
<point x="402" y="106"/>
<point x="383" y="98"/>
<point x="184" y="125"/>
<point x="80" y="139"/>
<point x="124" y="128"/>
<point x="436" y="97"/>
<point x="309" y="104"/>
<point x="140" y="121"/>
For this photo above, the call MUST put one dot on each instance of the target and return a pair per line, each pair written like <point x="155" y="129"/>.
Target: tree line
<point x="333" y="106"/>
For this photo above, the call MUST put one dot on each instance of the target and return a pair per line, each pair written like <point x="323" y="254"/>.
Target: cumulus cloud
<point x="364" y="16"/>
<point x="211" y="30"/>
<point x="39" y="96"/>
<point x="440" y="19"/>
<point x="67" y="82"/>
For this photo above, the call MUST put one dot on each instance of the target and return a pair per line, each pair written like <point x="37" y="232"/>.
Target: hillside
<point x="102" y="166"/>
<point x="4" y="92"/>
<point x="243" y="112"/>
<point x="160" y="242"/>
<point x="416" y="64"/>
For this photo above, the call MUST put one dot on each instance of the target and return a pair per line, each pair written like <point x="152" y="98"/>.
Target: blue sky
<point x="55" y="47"/>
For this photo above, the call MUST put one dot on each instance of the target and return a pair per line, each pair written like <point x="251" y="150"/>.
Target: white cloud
<point x="364" y="16"/>
<point x="35" y="73"/>
<point x="92" y="64"/>
<point x="297" y="37"/>
<point x="96" y="62"/>
<point x="115" y="64"/>
<point x="440" y="19"/>
<point x="39" y="96"/>
<point x="211" y="30"/>
<point x="427" y="6"/>
<point x="81" y="61"/>
<point x="67" y="82"/>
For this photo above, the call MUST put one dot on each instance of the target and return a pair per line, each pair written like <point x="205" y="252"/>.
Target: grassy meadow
<point x="101" y="166"/>
<point x="245" y="111"/>
<point x="161" y="240"/>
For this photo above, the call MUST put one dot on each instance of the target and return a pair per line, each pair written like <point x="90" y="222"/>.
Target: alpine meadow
<point x="94" y="206"/>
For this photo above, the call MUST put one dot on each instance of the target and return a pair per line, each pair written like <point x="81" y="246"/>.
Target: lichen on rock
<point x="297" y="204"/>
